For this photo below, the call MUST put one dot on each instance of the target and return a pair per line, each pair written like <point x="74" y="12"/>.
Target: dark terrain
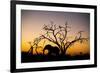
<point x="25" y="57"/>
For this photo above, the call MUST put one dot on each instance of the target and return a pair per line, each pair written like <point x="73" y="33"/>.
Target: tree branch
<point x="74" y="41"/>
<point x="55" y="42"/>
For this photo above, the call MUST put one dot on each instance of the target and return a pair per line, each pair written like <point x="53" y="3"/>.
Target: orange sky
<point x="32" y="23"/>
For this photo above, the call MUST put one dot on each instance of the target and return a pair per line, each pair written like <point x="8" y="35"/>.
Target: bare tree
<point x="30" y="51"/>
<point x="59" y="36"/>
<point x="34" y="45"/>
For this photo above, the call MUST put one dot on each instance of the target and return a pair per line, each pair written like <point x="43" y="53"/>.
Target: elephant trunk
<point x="43" y="51"/>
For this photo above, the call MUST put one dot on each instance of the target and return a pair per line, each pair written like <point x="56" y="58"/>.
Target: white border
<point x="20" y="65"/>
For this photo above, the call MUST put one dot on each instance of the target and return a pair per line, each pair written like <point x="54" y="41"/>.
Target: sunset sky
<point x="32" y="22"/>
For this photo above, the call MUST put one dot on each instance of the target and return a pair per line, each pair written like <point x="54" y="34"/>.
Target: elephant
<point x="52" y="50"/>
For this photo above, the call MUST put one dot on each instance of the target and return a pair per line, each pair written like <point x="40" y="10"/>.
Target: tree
<point x="59" y="36"/>
<point x="34" y="45"/>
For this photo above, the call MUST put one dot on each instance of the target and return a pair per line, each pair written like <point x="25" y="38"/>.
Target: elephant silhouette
<point x="52" y="50"/>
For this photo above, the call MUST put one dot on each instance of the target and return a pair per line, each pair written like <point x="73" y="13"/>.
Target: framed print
<point x="51" y="36"/>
